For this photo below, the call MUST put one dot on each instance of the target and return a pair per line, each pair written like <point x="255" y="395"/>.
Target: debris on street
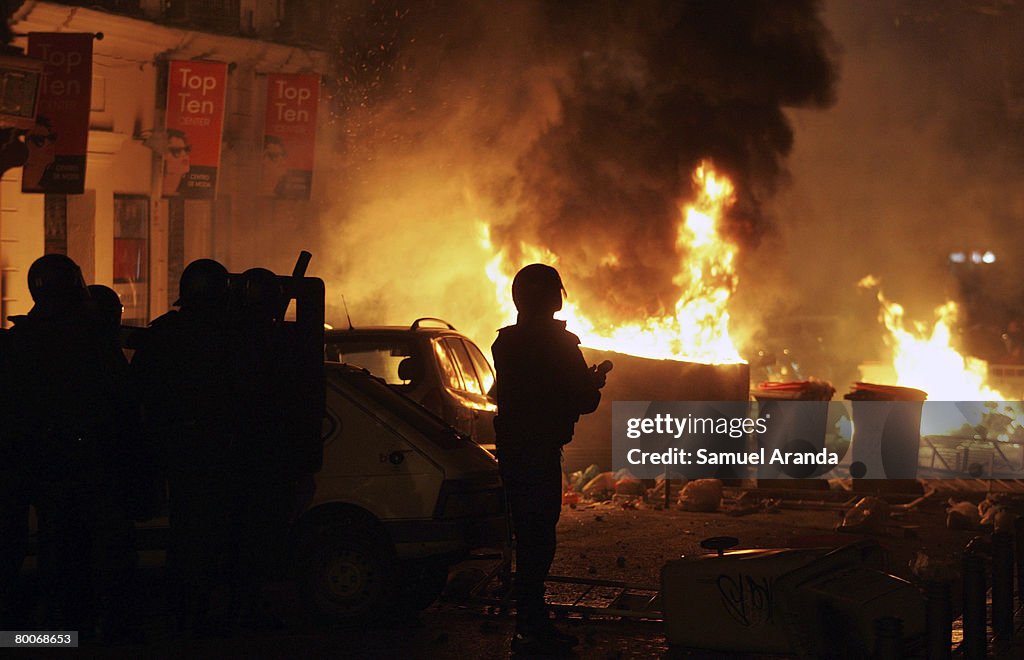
<point x="701" y="495"/>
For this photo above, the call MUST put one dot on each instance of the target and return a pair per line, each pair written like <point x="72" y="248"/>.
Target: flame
<point x="698" y="330"/>
<point x="925" y="358"/>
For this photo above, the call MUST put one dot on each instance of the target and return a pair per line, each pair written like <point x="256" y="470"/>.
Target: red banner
<point x="289" y="135"/>
<point x="58" y="142"/>
<point x="195" y="119"/>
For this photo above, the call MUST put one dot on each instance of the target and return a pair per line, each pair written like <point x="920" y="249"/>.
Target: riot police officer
<point x="263" y="464"/>
<point x="182" y="368"/>
<point x="65" y="395"/>
<point x="542" y="386"/>
<point x="14" y="501"/>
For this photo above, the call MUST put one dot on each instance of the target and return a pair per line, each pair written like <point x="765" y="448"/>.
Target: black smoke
<point x="576" y="124"/>
<point x="655" y="88"/>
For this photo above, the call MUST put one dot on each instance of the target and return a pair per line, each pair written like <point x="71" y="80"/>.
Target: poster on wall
<point x="289" y="135"/>
<point x="194" y="120"/>
<point x="58" y="141"/>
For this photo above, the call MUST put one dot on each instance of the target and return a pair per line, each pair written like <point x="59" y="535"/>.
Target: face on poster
<point x="58" y="141"/>
<point x="289" y="137"/>
<point x="195" y="121"/>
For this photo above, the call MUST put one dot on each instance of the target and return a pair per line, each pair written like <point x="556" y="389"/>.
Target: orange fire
<point x="926" y="359"/>
<point x="698" y="330"/>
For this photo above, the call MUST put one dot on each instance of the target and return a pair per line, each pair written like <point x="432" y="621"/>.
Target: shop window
<point x="131" y="257"/>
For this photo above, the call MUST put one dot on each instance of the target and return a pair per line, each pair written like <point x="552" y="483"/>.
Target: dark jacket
<point x="543" y="384"/>
<point x="67" y="388"/>
<point x="182" y="370"/>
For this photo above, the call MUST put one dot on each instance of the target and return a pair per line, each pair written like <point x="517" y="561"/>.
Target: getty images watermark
<point x="814" y="439"/>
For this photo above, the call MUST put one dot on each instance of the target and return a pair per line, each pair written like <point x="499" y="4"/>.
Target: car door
<point x="485" y="374"/>
<point x="471" y="395"/>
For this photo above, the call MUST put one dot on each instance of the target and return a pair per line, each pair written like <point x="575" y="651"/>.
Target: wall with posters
<point x="122" y="229"/>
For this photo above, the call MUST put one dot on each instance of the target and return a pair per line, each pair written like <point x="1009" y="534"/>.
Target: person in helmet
<point x="57" y="287"/>
<point x="108" y="308"/>
<point x="182" y="370"/>
<point x="542" y="386"/>
<point x="14" y="500"/>
<point x="65" y="397"/>
<point x="204" y="289"/>
<point x="264" y="466"/>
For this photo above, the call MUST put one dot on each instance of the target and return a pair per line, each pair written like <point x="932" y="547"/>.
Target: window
<point x="483" y="367"/>
<point x="464" y="364"/>
<point x="380" y="358"/>
<point x="449" y="372"/>
<point x="131" y="257"/>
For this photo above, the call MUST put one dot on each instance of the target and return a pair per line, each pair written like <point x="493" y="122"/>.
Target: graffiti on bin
<point x="747" y="599"/>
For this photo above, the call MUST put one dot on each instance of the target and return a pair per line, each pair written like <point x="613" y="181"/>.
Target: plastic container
<point x="795" y="428"/>
<point x="887" y="433"/>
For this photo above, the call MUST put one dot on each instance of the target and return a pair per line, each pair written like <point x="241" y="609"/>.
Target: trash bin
<point x="886" y="436"/>
<point x="793" y="428"/>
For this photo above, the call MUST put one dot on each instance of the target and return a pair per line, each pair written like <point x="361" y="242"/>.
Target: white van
<point x="401" y="497"/>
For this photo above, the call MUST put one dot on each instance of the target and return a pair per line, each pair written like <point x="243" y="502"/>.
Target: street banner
<point x="196" y="93"/>
<point x="289" y="135"/>
<point x="58" y="142"/>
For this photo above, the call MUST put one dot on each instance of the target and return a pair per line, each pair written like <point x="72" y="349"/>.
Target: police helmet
<point x="537" y="288"/>
<point x="260" y="293"/>
<point x="55" y="276"/>
<point x="204" y="283"/>
<point x="108" y="304"/>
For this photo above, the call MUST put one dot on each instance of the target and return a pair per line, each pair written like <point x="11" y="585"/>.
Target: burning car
<point x="430" y="362"/>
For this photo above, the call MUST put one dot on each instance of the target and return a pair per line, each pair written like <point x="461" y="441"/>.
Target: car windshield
<point x="381" y="357"/>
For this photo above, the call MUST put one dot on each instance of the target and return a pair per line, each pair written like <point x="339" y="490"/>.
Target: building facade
<point x="123" y="230"/>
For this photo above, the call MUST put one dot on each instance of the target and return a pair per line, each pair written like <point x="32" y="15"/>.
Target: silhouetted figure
<point x="267" y="463"/>
<point x="134" y="463"/>
<point x="126" y="461"/>
<point x="65" y="394"/>
<point x="108" y="308"/>
<point x="14" y="500"/>
<point x="543" y="385"/>
<point x="182" y="368"/>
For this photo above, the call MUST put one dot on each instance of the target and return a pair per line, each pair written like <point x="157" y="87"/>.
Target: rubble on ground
<point x="701" y="495"/>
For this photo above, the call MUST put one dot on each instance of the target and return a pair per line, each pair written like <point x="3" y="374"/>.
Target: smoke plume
<point x="920" y="157"/>
<point x="572" y="125"/>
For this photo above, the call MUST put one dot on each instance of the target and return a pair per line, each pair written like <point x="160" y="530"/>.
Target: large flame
<point x="698" y="330"/>
<point x="925" y="358"/>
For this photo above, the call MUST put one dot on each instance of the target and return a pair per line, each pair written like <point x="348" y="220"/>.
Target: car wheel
<point x="348" y="572"/>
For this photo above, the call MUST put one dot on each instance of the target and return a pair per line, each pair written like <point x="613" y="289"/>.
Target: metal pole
<point x="1018" y="528"/>
<point x="974" y="607"/>
<point x="888" y="638"/>
<point x="938" y="619"/>
<point x="1002" y="585"/>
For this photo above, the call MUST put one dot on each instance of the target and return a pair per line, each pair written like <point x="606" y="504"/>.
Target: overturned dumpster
<point x="643" y="379"/>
